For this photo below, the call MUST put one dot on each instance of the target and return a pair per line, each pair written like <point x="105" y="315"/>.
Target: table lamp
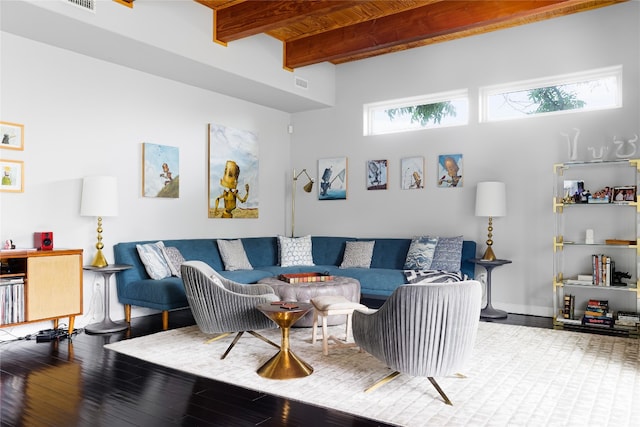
<point x="491" y="202"/>
<point x="307" y="188"/>
<point x="99" y="198"/>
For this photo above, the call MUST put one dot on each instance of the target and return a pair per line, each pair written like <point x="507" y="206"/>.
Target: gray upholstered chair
<point x="424" y="330"/>
<point x="222" y="306"/>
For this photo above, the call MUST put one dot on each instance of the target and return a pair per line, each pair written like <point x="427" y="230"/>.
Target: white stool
<point x="330" y="305"/>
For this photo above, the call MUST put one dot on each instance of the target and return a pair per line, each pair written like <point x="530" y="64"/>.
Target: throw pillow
<point x="448" y="254"/>
<point x="153" y="260"/>
<point x="357" y="254"/>
<point x="174" y="259"/>
<point x="420" y="254"/>
<point x="295" y="251"/>
<point x="233" y="255"/>
<point x="433" y="276"/>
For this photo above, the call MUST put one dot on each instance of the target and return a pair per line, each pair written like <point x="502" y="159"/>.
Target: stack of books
<point x="597" y="314"/>
<point x="627" y="319"/>
<point x="568" y="311"/>
<point x="11" y="300"/>
<point x="601" y="270"/>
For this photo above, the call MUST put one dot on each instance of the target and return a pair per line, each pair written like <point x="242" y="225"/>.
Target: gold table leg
<point x="285" y="364"/>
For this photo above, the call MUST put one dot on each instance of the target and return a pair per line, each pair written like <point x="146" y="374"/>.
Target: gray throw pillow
<point x="421" y="252"/>
<point x="448" y="254"/>
<point x="174" y="259"/>
<point x="357" y="254"/>
<point x="154" y="262"/>
<point x="233" y="255"/>
<point x="295" y="251"/>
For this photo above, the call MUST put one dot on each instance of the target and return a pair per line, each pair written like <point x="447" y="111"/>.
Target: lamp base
<point x="489" y="255"/>
<point x="99" y="260"/>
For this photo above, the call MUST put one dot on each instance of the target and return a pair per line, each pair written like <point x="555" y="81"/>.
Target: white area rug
<point x="520" y="376"/>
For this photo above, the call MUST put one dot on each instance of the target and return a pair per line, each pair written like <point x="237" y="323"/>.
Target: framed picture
<point x="233" y="173"/>
<point x="572" y="190"/>
<point x="377" y="174"/>
<point x="412" y="173"/>
<point x="160" y="171"/>
<point x="12" y="136"/>
<point x="12" y="176"/>
<point x="332" y="175"/>
<point x="624" y="194"/>
<point x="450" y="171"/>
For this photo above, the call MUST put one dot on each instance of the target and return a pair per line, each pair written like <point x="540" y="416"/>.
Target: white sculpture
<point x="621" y="143"/>
<point x="600" y="154"/>
<point x="572" y="145"/>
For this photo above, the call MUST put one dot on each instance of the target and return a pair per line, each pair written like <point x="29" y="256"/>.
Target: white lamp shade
<point x="491" y="199"/>
<point x="99" y="196"/>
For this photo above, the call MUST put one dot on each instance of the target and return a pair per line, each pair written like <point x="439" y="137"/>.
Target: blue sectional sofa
<point x="136" y="288"/>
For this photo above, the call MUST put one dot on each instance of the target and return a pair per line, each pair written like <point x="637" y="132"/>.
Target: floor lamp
<point x="491" y="202"/>
<point x="99" y="198"/>
<point x="307" y="188"/>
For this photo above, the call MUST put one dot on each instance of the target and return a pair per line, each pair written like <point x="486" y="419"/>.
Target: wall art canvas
<point x="332" y="176"/>
<point x="160" y="171"/>
<point x="412" y="173"/>
<point x="12" y="176"/>
<point x="377" y="174"/>
<point x="450" y="171"/>
<point x="12" y="135"/>
<point x="233" y="173"/>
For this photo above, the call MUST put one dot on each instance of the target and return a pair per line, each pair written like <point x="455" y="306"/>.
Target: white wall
<point x="520" y="153"/>
<point x="84" y="116"/>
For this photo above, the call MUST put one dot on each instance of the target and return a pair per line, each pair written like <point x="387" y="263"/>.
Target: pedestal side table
<point x="285" y="364"/>
<point x="107" y="325"/>
<point x="489" y="312"/>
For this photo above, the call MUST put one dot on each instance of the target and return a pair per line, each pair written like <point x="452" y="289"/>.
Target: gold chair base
<point x="237" y="337"/>
<point x="285" y="365"/>
<point x="394" y="374"/>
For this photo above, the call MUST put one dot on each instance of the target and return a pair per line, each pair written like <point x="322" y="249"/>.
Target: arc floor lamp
<point x="307" y="188"/>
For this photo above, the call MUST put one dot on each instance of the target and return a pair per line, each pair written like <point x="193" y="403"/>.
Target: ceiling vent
<point x="301" y="83"/>
<point x="89" y="5"/>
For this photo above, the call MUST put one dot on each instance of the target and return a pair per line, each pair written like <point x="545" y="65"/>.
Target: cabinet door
<point x="53" y="286"/>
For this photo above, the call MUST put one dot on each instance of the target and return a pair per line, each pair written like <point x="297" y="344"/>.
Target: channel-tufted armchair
<point x="424" y="330"/>
<point x="222" y="306"/>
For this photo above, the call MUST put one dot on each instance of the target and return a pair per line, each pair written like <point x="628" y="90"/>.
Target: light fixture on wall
<point x="307" y="188"/>
<point x="99" y="198"/>
<point x="491" y="201"/>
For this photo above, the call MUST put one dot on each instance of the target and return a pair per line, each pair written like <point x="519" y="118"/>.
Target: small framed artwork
<point x="624" y="194"/>
<point x="12" y="136"/>
<point x="412" y="173"/>
<point x="332" y="175"/>
<point x="160" y="171"/>
<point x="12" y="176"/>
<point x="377" y="174"/>
<point x="450" y="171"/>
<point x="573" y="190"/>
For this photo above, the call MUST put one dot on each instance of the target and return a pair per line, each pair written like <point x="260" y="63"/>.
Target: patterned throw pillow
<point x="174" y="259"/>
<point x="433" y="276"/>
<point x="420" y="254"/>
<point x="233" y="255"/>
<point x="295" y="251"/>
<point x="153" y="260"/>
<point x="357" y="254"/>
<point x="448" y="254"/>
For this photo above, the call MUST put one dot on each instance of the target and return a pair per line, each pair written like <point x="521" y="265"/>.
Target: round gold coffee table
<point x="285" y="364"/>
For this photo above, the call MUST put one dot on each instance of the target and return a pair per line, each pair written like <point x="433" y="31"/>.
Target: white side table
<point x="107" y="325"/>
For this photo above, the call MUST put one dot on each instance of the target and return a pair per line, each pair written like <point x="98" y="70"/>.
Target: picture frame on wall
<point x="12" y="135"/>
<point x="450" y="171"/>
<point x="377" y="174"/>
<point x="12" y="176"/>
<point x="412" y="173"/>
<point x="332" y="176"/>
<point x="160" y="171"/>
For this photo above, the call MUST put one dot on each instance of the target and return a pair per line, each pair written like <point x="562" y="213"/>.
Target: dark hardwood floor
<point x="78" y="383"/>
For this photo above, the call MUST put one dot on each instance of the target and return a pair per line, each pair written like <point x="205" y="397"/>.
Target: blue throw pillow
<point x="421" y="252"/>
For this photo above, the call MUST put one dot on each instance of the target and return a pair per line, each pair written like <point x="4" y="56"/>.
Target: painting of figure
<point x="161" y="171"/>
<point x="332" y="175"/>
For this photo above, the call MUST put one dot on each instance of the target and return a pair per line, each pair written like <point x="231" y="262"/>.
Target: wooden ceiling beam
<point x="436" y="22"/>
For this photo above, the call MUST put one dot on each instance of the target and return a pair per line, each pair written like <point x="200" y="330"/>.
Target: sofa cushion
<point x="233" y="255"/>
<point x="433" y="276"/>
<point x="390" y="253"/>
<point x="295" y="251"/>
<point x="153" y="259"/>
<point x="421" y="252"/>
<point x="447" y="254"/>
<point x="357" y="254"/>
<point x="174" y="260"/>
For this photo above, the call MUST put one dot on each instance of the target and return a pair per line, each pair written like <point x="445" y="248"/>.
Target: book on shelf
<point x="601" y="265"/>
<point x="12" y="302"/>
<point x="571" y="321"/>
<point x="568" y="311"/>
<point x="627" y="316"/>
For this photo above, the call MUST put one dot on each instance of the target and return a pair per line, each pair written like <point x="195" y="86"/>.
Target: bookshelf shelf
<point x="609" y="258"/>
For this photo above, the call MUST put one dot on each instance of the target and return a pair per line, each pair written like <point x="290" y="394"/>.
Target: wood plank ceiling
<point x="339" y="31"/>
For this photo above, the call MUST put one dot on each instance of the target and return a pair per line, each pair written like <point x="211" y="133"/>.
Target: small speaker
<point x="43" y="240"/>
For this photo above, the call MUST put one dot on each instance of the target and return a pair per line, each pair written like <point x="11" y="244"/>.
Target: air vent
<point x="89" y="5"/>
<point x="301" y="83"/>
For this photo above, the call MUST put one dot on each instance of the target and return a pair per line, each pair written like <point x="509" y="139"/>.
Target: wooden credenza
<point x="52" y="285"/>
